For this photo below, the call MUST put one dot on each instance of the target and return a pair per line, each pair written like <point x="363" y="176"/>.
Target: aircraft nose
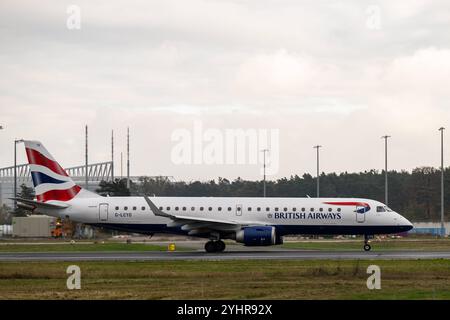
<point x="409" y="224"/>
<point x="406" y="223"/>
<point x="402" y="223"/>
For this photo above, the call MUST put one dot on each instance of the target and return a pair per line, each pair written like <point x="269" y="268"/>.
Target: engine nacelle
<point x="258" y="236"/>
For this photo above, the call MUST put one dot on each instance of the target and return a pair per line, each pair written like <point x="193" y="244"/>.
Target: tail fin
<point x="50" y="180"/>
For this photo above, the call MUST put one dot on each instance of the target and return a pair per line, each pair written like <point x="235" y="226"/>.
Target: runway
<point x="228" y="255"/>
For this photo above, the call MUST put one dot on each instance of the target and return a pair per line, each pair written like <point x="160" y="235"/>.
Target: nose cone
<point x="409" y="225"/>
<point x="404" y="223"/>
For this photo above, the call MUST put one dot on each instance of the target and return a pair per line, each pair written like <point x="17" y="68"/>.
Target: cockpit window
<point x="388" y="209"/>
<point x="381" y="209"/>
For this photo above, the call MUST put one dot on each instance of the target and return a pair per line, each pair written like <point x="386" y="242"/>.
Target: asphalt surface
<point x="227" y="255"/>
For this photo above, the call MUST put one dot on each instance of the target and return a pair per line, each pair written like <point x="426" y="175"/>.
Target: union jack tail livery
<point x="50" y="180"/>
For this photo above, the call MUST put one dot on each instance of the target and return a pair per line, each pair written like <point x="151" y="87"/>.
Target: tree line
<point x="416" y="194"/>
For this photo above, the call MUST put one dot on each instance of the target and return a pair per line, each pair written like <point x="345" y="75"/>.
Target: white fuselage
<point x="288" y="215"/>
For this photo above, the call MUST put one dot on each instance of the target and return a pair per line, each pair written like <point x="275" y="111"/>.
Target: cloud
<point x="426" y="72"/>
<point x="278" y="74"/>
<point x="313" y="70"/>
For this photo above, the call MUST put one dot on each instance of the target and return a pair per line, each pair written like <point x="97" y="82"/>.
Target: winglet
<point x="155" y="209"/>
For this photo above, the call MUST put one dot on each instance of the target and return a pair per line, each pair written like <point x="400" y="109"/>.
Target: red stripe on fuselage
<point x="60" y="195"/>
<point x="362" y="204"/>
<point x="35" y="157"/>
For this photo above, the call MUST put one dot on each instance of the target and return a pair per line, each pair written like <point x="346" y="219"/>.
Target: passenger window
<point x="238" y="208"/>
<point x="184" y="208"/>
<point x="312" y="209"/>
<point x="134" y="208"/>
<point x="219" y="208"/>
<point x="267" y="209"/>
<point x="192" y="208"/>
<point x="125" y="208"/>
<point x="258" y="209"/>
<point x="143" y="208"/>
<point x="210" y="208"/>
<point x="176" y="208"/>
<point x="329" y="209"/>
<point x="160" y="208"/>
<point x="249" y="209"/>
<point x="117" y="208"/>
<point x="285" y="209"/>
<point x="380" y="209"/>
<point x="321" y="209"/>
<point x="294" y="209"/>
<point x="276" y="209"/>
<point x="229" y="208"/>
<point x="338" y="209"/>
<point x="201" y="208"/>
<point x="168" y="208"/>
<point x="303" y="209"/>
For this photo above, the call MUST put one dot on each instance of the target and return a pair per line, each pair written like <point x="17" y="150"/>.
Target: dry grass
<point x="79" y="247"/>
<point x="377" y="245"/>
<point x="427" y="279"/>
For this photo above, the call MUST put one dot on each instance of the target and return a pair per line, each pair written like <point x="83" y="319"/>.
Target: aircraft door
<point x="239" y="209"/>
<point x="360" y="214"/>
<point x="103" y="212"/>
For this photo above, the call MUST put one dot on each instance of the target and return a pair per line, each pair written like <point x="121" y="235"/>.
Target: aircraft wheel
<point x="367" y="247"/>
<point x="220" y="246"/>
<point x="210" y="247"/>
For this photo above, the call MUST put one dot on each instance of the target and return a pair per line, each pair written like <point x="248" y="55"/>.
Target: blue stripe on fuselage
<point x="39" y="178"/>
<point x="282" y="230"/>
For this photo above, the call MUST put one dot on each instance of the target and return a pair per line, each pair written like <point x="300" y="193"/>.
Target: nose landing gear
<point x="215" y="246"/>
<point x="367" y="246"/>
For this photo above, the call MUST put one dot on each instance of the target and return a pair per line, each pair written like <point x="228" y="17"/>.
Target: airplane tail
<point x="50" y="180"/>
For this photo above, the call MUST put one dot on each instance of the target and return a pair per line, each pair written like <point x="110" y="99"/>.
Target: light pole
<point x="264" y="169"/>
<point x="441" y="129"/>
<point x="112" y="155"/>
<point x="121" y="166"/>
<point x="128" y="159"/>
<point x="16" y="141"/>
<point x="385" y="169"/>
<point x="318" y="174"/>
<point x="86" y="163"/>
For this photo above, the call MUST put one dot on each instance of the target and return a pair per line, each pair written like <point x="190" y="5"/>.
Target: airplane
<point x="251" y="221"/>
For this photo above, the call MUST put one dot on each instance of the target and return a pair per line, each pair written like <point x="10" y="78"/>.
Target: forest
<point x="416" y="194"/>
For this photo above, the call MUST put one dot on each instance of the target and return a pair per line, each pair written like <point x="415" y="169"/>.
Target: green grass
<point x="382" y="245"/>
<point x="325" y="245"/>
<point x="260" y="279"/>
<point x="81" y="247"/>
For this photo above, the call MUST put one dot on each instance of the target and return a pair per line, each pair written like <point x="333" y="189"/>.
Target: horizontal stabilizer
<point x="43" y="205"/>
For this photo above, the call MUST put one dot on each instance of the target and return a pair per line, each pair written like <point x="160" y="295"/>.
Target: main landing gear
<point x="367" y="246"/>
<point x="214" y="246"/>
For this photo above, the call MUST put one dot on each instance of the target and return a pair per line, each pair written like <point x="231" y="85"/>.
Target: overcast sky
<point x="336" y="73"/>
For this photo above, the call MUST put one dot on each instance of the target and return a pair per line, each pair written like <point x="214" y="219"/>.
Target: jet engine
<point x="258" y="236"/>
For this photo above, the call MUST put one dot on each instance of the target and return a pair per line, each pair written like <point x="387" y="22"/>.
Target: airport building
<point x="35" y="226"/>
<point x="42" y="226"/>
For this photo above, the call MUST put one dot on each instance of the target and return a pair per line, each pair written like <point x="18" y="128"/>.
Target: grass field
<point x="324" y="245"/>
<point x="81" y="247"/>
<point x="377" y="245"/>
<point x="418" y="279"/>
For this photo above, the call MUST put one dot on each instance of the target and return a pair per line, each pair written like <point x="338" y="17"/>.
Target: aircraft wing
<point x="199" y="224"/>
